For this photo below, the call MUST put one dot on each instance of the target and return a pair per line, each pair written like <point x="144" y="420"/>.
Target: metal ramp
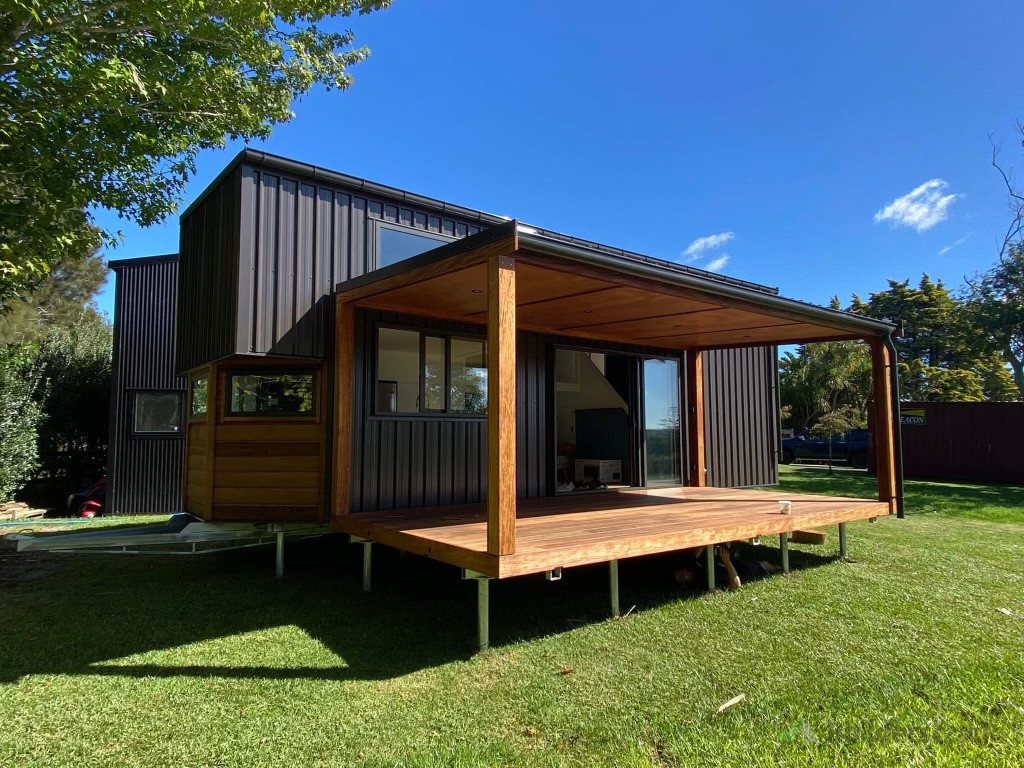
<point x="181" y="534"/>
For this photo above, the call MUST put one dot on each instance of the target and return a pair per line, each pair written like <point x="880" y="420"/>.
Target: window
<point x="469" y="377"/>
<point x="429" y="373"/>
<point x="200" y="395"/>
<point x="157" y="413"/>
<point x="396" y="244"/>
<point x="398" y="380"/>
<point x="272" y="393"/>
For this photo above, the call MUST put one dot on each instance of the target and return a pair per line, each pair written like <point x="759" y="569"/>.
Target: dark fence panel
<point x="144" y="471"/>
<point x="978" y="442"/>
<point x="741" y="416"/>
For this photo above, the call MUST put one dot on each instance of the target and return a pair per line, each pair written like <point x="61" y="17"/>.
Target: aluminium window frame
<point x="230" y="415"/>
<point x="161" y="434"/>
<point x="376" y="225"/>
<point x="424" y="333"/>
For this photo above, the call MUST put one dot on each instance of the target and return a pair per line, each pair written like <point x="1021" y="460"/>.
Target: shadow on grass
<point x="98" y="609"/>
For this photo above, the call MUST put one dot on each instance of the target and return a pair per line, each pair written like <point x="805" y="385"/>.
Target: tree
<point x="941" y="353"/>
<point x="106" y="103"/>
<point x="19" y="415"/>
<point x="64" y="298"/>
<point x="824" y="378"/>
<point x="74" y="365"/>
<point x="995" y="301"/>
<point x="837" y="422"/>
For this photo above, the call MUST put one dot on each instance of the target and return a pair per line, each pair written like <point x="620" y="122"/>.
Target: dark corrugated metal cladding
<point x="296" y="240"/>
<point x="144" y="472"/>
<point x="741" y="416"/>
<point x="209" y="277"/>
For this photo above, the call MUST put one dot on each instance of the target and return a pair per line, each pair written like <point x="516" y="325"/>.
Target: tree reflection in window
<point x="468" y="377"/>
<point x="272" y="394"/>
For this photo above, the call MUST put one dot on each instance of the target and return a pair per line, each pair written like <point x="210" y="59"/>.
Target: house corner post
<point x="884" y="433"/>
<point x="696" y="458"/>
<point x="501" y="405"/>
<point x="344" y="381"/>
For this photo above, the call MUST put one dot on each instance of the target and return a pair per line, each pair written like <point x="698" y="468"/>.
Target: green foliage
<point x="19" y="415"/>
<point x="75" y="380"/>
<point x="822" y="379"/>
<point x="63" y="298"/>
<point x="995" y="301"/>
<point x="107" y="102"/>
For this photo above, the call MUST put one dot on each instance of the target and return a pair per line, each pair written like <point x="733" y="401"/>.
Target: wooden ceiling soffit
<point x="666" y="287"/>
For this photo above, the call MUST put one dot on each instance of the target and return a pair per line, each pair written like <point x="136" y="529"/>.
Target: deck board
<point x="577" y="530"/>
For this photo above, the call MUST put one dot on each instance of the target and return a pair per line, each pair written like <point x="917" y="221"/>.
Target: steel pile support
<point x="483" y="607"/>
<point x="613" y="583"/>
<point x="279" y="560"/>
<point x="367" y="560"/>
<point x="844" y="551"/>
<point x="784" y="551"/>
<point x="709" y="559"/>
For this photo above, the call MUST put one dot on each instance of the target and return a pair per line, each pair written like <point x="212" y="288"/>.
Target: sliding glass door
<point x="662" y="438"/>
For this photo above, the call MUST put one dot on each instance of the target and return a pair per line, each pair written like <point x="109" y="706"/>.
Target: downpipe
<point x="894" y="378"/>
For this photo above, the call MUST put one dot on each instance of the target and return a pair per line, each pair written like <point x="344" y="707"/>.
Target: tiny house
<point x="503" y="398"/>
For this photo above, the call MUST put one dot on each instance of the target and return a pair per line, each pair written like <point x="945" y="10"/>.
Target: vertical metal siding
<point x="144" y="472"/>
<point x="741" y="416"/>
<point x="299" y="239"/>
<point x="209" y="277"/>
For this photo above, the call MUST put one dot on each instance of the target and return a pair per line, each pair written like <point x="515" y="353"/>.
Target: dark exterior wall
<point x="207" y="295"/>
<point x="402" y="461"/>
<point x="144" y="472"/>
<point x="741" y="416"/>
<point x="262" y="252"/>
<point x="977" y="442"/>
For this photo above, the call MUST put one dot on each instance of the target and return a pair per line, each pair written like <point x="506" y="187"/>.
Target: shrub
<point x="20" y="413"/>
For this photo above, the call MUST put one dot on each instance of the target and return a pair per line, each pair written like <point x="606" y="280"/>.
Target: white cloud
<point x="954" y="244"/>
<point x="718" y="264"/>
<point x="701" y="245"/>
<point x="919" y="209"/>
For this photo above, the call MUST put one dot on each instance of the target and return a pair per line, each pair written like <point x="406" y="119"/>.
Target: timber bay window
<point x="429" y="372"/>
<point x="271" y="394"/>
<point x="158" y="412"/>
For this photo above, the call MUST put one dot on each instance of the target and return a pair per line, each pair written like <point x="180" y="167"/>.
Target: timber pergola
<point x="513" y="277"/>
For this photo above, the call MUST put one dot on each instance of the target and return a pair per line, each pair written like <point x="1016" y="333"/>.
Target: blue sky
<point x="794" y="133"/>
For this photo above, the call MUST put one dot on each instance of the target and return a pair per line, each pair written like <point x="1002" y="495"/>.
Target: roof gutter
<point x="840" y="320"/>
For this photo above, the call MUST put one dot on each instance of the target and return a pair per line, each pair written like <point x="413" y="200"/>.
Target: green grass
<point x="993" y="502"/>
<point x="902" y="656"/>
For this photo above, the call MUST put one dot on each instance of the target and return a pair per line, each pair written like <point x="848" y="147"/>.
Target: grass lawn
<point x="912" y="653"/>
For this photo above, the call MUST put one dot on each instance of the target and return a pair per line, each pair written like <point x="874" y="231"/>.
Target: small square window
<point x="271" y="394"/>
<point x="157" y="413"/>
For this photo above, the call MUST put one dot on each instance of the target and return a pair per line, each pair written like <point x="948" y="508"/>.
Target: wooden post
<point x="884" y="433"/>
<point x="344" y="381"/>
<point x="214" y="397"/>
<point x="695" y="417"/>
<point x="501" y="405"/>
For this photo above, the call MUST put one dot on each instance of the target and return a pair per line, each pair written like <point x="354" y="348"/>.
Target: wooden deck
<point x="577" y="530"/>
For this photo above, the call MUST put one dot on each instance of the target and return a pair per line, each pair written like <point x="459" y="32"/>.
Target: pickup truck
<point x="850" y="447"/>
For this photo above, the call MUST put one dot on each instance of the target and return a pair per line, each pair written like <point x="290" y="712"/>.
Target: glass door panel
<point x="662" y="442"/>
